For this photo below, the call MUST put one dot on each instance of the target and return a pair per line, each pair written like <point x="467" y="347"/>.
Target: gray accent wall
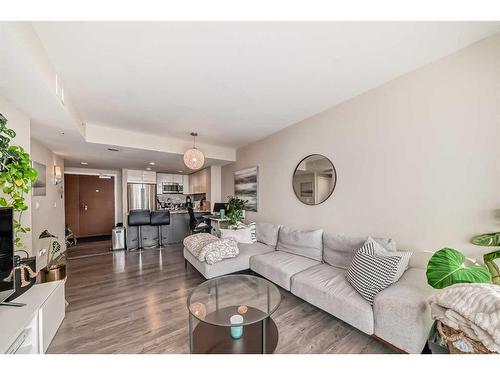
<point x="417" y="158"/>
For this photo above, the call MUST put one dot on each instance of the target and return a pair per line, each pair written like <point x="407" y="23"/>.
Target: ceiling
<point x="99" y="156"/>
<point x="232" y="82"/>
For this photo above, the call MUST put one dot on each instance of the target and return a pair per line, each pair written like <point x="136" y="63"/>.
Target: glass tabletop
<point x="217" y="300"/>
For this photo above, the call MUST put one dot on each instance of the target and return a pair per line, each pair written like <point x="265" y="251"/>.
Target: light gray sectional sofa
<point x="312" y="264"/>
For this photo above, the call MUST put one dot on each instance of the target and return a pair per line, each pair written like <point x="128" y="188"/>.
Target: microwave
<point x="172" y="188"/>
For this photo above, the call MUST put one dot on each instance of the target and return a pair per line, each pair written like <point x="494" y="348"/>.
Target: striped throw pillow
<point x="253" y="232"/>
<point x="374" y="268"/>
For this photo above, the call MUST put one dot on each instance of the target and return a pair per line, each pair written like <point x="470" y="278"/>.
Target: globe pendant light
<point x="194" y="158"/>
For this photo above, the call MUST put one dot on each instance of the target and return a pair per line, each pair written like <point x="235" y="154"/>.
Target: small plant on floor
<point x="16" y="178"/>
<point x="235" y="207"/>
<point x="55" y="258"/>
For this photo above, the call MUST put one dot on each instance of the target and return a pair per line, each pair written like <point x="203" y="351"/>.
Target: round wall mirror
<point x="314" y="179"/>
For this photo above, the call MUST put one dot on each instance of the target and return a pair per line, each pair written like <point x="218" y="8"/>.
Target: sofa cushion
<point x="267" y="233"/>
<point x="373" y="269"/>
<point x="226" y="266"/>
<point x="402" y="314"/>
<point x="339" y="250"/>
<point x="280" y="266"/>
<point x="307" y="243"/>
<point x="325" y="287"/>
<point x="242" y="235"/>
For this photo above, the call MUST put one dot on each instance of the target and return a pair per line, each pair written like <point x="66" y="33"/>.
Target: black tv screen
<point x="6" y="253"/>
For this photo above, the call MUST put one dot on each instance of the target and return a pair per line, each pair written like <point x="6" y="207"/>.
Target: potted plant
<point x="16" y="178"/>
<point x="235" y="208"/>
<point x="56" y="260"/>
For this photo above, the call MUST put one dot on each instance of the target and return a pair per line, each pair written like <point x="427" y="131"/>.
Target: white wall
<point x="417" y="158"/>
<point x="117" y="174"/>
<point x="47" y="211"/>
<point x="215" y="185"/>
<point x="18" y="121"/>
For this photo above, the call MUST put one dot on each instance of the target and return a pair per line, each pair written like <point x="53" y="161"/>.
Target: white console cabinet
<point x="30" y="329"/>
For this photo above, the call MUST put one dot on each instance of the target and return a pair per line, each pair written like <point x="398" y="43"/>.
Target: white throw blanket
<point x="210" y="249"/>
<point x="471" y="308"/>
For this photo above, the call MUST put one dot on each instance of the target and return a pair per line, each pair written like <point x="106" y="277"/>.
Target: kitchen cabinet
<point x="185" y="184"/>
<point x="179" y="227"/>
<point x="199" y="182"/>
<point x="169" y="179"/>
<point x="138" y="176"/>
<point x="193" y="179"/>
<point x="134" y="175"/>
<point x="149" y="177"/>
<point x="177" y="179"/>
<point x="161" y="178"/>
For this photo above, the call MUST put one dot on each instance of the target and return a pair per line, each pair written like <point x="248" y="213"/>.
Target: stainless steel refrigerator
<point x="141" y="196"/>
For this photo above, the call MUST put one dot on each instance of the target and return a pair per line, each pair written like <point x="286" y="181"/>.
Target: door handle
<point x="84" y="207"/>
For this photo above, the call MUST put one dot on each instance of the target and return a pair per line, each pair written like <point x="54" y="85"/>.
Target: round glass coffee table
<point x="232" y="314"/>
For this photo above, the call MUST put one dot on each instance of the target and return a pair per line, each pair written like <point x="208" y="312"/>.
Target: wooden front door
<point x="89" y="204"/>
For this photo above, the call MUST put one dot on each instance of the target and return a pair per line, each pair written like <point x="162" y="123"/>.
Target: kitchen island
<point x="173" y="233"/>
<point x="179" y="226"/>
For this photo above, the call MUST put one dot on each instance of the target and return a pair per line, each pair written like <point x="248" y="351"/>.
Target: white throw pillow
<point x="373" y="269"/>
<point x="243" y="235"/>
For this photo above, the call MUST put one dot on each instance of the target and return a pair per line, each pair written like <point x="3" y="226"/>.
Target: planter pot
<point x="53" y="274"/>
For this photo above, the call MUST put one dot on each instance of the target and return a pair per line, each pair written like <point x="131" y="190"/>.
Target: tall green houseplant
<point x="235" y="207"/>
<point x="16" y="178"/>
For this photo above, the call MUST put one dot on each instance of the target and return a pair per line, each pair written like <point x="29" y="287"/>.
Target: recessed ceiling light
<point x="151" y="163"/>
<point x="180" y="171"/>
<point x="112" y="149"/>
<point x="84" y="163"/>
<point x="148" y="168"/>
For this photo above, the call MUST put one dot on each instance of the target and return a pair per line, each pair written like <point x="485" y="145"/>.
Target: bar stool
<point x="137" y="218"/>
<point x="160" y="218"/>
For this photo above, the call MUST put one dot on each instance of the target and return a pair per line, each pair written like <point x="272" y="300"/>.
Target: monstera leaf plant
<point x="490" y="259"/>
<point x="447" y="267"/>
<point x="487" y="239"/>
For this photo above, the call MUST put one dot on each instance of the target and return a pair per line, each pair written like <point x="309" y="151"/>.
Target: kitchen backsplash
<point x="181" y="198"/>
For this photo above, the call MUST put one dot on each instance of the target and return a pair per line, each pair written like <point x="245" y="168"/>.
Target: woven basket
<point x="459" y="343"/>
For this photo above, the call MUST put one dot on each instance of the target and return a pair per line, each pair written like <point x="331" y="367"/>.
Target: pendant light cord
<point x="194" y="135"/>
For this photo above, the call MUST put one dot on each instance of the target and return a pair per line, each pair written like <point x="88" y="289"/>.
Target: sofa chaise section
<point x="229" y="265"/>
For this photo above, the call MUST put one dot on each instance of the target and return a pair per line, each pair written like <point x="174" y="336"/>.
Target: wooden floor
<point x="135" y="302"/>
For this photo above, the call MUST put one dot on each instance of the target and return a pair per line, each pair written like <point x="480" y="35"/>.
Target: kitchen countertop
<point x="185" y="211"/>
